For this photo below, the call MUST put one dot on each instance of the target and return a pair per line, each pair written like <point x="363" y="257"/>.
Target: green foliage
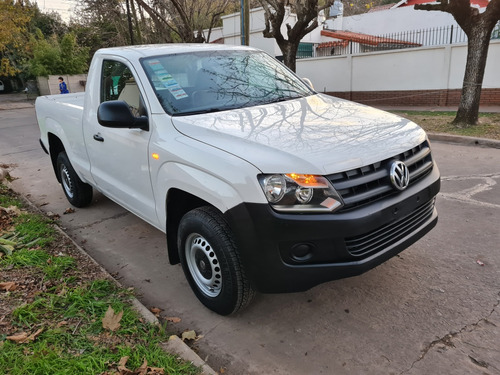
<point x="48" y="23"/>
<point x="7" y="198"/>
<point x="13" y="20"/>
<point x="34" y="228"/>
<point x="63" y="319"/>
<point x="51" y="56"/>
<point x="81" y="345"/>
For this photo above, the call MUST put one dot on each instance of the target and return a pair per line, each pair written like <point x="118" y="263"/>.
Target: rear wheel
<point x="211" y="262"/>
<point x="78" y="193"/>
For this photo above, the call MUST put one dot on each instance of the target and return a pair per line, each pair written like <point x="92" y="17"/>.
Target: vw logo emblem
<point x="400" y="175"/>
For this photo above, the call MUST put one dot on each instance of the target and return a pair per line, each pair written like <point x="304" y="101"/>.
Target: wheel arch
<point x="55" y="148"/>
<point x="178" y="203"/>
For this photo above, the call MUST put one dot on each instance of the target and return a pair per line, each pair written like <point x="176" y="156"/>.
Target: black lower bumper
<point x="295" y="252"/>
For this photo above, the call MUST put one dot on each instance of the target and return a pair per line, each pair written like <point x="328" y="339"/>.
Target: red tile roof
<point x="218" y="41"/>
<point x="340" y="43"/>
<point x="364" y="38"/>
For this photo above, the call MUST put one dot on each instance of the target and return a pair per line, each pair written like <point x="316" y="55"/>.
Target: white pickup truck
<point x="259" y="182"/>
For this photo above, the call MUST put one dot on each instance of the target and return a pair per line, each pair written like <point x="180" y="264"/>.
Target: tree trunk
<point x="289" y="54"/>
<point x="477" y="52"/>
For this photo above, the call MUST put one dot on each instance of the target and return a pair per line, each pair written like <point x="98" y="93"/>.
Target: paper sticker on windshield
<point x="167" y="80"/>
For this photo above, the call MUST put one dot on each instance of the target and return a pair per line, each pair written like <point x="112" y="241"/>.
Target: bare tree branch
<point x="306" y="20"/>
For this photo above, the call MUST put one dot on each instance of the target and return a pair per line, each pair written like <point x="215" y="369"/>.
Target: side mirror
<point x="308" y="82"/>
<point x="117" y="114"/>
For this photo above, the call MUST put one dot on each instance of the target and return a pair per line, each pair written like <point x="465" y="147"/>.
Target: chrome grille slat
<point x="367" y="195"/>
<point x="418" y="156"/>
<point x="421" y="170"/>
<point x="370" y="183"/>
<point x="361" y="180"/>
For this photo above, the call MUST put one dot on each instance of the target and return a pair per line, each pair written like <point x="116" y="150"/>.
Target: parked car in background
<point x="2" y="87"/>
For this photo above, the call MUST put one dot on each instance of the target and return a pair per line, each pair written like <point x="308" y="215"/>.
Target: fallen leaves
<point x="111" y="320"/>
<point x="52" y="215"/>
<point x="10" y="211"/>
<point x="8" y="286"/>
<point x="173" y="319"/>
<point x="23" y="337"/>
<point x="156" y="311"/>
<point x="144" y="369"/>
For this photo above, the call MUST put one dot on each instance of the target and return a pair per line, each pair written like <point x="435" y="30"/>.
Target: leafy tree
<point x="101" y="23"/>
<point x="478" y="27"/>
<point x="307" y="20"/>
<point x="14" y="17"/>
<point x="53" y="57"/>
<point x="48" y="23"/>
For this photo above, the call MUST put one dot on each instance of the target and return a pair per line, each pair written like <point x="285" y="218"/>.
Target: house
<point x="403" y="18"/>
<point x="395" y="73"/>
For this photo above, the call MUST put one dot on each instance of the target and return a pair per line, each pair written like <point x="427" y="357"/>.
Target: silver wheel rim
<point x="66" y="181"/>
<point x="203" y="265"/>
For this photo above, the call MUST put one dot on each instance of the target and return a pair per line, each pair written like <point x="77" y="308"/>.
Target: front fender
<point x="195" y="182"/>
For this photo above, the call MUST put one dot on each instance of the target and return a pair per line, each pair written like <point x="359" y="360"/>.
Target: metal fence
<point x="361" y="43"/>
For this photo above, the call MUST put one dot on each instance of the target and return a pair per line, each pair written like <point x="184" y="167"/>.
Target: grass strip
<point x="441" y="122"/>
<point x="55" y="311"/>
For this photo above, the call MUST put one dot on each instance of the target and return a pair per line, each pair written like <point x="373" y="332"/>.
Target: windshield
<point x="209" y="81"/>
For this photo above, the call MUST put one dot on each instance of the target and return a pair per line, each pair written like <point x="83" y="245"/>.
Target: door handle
<point x="98" y="138"/>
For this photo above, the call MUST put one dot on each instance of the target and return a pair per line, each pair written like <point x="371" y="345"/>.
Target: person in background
<point x="62" y="86"/>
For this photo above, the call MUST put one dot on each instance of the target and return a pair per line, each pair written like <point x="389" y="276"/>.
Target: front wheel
<point x="211" y="261"/>
<point x="78" y="193"/>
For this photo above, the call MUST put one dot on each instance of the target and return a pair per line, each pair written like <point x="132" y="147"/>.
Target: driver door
<point x="119" y="158"/>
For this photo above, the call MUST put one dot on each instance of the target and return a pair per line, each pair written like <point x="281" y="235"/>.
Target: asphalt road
<point x="433" y="309"/>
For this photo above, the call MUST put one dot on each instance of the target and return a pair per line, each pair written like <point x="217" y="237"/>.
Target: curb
<point x="463" y="140"/>
<point x="174" y="345"/>
<point x="177" y="346"/>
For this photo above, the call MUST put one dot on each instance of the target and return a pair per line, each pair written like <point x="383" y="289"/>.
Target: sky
<point x="63" y="7"/>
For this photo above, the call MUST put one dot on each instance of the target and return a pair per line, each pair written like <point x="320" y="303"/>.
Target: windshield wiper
<point x="199" y="111"/>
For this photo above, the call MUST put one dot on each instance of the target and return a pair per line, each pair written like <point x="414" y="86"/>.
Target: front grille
<point x="387" y="235"/>
<point x="372" y="182"/>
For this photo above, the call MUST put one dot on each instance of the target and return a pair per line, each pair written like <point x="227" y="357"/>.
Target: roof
<point x="139" y="51"/>
<point x="404" y="3"/>
<point x="340" y="43"/>
<point x="363" y="38"/>
<point x="380" y="7"/>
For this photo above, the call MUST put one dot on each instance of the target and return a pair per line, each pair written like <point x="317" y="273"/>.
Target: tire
<point x="211" y="262"/>
<point x="78" y="193"/>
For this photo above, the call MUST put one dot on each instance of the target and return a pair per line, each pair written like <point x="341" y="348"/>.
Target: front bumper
<point x="295" y="252"/>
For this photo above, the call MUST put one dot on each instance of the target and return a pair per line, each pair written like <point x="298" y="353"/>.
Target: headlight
<point x="300" y="193"/>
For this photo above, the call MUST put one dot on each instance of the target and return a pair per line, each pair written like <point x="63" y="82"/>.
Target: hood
<point x="318" y="134"/>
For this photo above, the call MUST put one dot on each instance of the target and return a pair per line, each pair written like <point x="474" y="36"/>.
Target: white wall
<point x="50" y="85"/>
<point x="231" y="31"/>
<point x="393" y="21"/>
<point x="423" y="68"/>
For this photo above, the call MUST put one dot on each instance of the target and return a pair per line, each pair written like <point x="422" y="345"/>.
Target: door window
<point x="118" y="83"/>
